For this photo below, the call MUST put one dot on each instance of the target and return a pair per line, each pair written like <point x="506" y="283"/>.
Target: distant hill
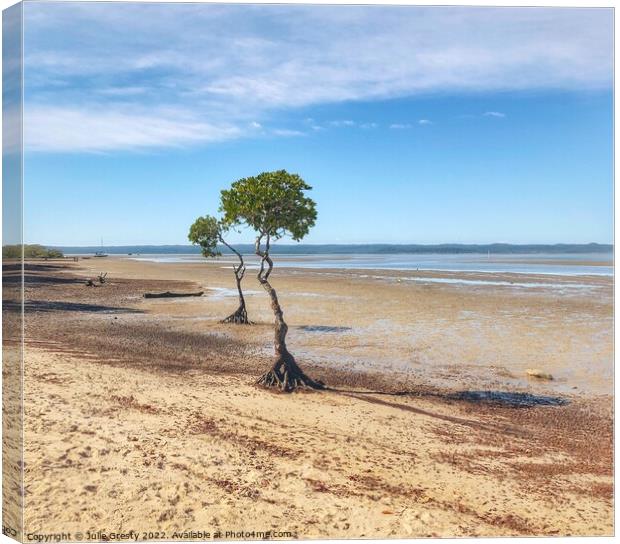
<point x="350" y="249"/>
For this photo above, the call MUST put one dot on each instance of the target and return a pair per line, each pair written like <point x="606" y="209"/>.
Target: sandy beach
<point x="148" y="406"/>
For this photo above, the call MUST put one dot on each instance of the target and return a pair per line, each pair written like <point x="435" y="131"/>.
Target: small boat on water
<point x="101" y="253"/>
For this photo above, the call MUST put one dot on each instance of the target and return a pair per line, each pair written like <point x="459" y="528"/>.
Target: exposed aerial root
<point x="240" y="317"/>
<point x="287" y="376"/>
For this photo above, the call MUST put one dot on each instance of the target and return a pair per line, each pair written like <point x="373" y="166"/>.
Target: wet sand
<point x="437" y="328"/>
<point x="147" y="407"/>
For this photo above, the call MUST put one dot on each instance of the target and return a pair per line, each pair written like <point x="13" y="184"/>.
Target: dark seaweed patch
<point x="505" y="398"/>
<point x="324" y="328"/>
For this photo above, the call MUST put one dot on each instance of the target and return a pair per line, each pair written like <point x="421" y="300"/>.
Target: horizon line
<point x="609" y="246"/>
<point x="299" y="244"/>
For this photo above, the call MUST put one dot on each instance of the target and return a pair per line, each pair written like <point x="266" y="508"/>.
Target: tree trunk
<point x="240" y="316"/>
<point x="285" y="373"/>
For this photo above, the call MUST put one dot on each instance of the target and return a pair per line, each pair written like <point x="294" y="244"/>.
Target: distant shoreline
<point x="355" y="249"/>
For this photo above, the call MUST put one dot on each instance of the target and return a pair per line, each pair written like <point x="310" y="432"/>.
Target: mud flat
<point x="147" y="407"/>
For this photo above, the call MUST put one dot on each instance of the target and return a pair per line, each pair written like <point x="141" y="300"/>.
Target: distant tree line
<point x="31" y="251"/>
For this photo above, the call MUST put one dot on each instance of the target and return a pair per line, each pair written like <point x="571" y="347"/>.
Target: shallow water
<point x="564" y="286"/>
<point x="225" y="292"/>
<point x="561" y="264"/>
<point x="467" y="331"/>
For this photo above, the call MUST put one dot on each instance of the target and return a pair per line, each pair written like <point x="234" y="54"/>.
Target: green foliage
<point x="31" y="251"/>
<point x="54" y="254"/>
<point x="206" y="232"/>
<point x="35" y="251"/>
<point x="272" y="203"/>
<point x="11" y="252"/>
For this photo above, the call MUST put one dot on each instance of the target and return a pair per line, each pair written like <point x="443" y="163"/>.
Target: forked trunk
<point x="285" y="373"/>
<point x="240" y="316"/>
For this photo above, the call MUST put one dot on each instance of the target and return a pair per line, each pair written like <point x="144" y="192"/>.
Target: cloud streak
<point x="344" y="123"/>
<point x="497" y="114"/>
<point x="287" y="132"/>
<point x="84" y="130"/>
<point x="187" y="74"/>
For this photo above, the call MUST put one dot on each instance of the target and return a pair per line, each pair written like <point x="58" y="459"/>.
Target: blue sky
<point x="413" y="125"/>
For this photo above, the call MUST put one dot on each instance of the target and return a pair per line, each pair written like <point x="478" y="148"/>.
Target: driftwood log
<point x="90" y="282"/>
<point x="168" y="294"/>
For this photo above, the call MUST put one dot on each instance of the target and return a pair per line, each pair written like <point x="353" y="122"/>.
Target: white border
<point x="547" y="3"/>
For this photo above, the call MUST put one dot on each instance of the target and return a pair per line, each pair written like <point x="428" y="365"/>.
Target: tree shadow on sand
<point x="58" y="306"/>
<point x="32" y="267"/>
<point x="34" y="279"/>
<point x="497" y="398"/>
<point x="33" y="274"/>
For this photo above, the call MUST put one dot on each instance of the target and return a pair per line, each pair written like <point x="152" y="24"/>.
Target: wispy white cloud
<point x="349" y="123"/>
<point x="122" y="91"/>
<point x="223" y="66"/>
<point x="287" y="132"/>
<point x="85" y="130"/>
<point x="425" y="122"/>
<point x="494" y="114"/>
<point x="400" y="126"/>
<point x="312" y="124"/>
<point x="343" y="123"/>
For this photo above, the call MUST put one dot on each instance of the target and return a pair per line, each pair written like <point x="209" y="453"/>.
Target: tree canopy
<point x="271" y="203"/>
<point x="30" y="251"/>
<point x="206" y="232"/>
